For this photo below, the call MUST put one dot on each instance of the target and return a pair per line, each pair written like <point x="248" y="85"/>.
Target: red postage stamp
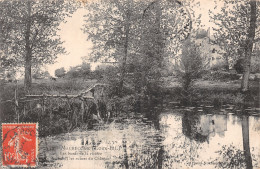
<point x="19" y="144"/>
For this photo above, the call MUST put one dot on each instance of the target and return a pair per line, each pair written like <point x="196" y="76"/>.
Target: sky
<point x="75" y="42"/>
<point x="77" y="46"/>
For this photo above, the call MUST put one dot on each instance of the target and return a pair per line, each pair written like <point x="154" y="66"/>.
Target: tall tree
<point x="31" y="32"/>
<point x="164" y="22"/>
<point x="110" y="26"/>
<point x="135" y="32"/>
<point x="249" y="45"/>
<point x="236" y="29"/>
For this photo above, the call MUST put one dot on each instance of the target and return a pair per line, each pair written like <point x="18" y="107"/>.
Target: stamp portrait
<point x="19" y="144"/>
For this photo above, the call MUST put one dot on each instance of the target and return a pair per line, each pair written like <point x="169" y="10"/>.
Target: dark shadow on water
<point x="160" y="158"/>
<point x="153" y="114"/>
<point x="246" y="146"/>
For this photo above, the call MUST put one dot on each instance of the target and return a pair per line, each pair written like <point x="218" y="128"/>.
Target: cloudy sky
<point x="77" y="46"/>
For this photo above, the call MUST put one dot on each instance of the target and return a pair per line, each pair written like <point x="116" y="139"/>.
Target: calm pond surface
<point x="175" y="139"/>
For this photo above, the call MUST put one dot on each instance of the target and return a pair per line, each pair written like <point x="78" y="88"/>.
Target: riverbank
<point x="63" y="115"/>
<point x="215" y="93"/>
<point x="202" y="92"/>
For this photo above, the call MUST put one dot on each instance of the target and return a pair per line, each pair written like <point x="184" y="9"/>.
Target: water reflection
<point x="200" y="126"/>
<point x="192" y="127"/>
<point x="177" y="139"/>
<point x="246" y="146"/>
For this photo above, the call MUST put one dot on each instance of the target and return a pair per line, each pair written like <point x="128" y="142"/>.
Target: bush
<point x="219" y="66"/>
<point x="40" y="74"/>
<point x="60" y="72"/>
<point x="255" y="60"/>
<point x="104" y="71"/>
<point x="255" y="66"/>
<point x="220" y="76"/>
<point x="82" y="70"/>
<point x="239" y="66"/>
<point x="73" y="73"/>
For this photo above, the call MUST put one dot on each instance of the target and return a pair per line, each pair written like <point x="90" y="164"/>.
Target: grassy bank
<point x="216" y="93"/>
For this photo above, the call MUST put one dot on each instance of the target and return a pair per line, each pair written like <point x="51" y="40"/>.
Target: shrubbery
<point x="60" y="72"/>
<point x="219" y="76"/>
<point x="255" y="65"/>
<point x="239" y="66"/>
<point x="104" y="72"/>
<point x="219" y="66"/>
<point x="82" y="71"/>
<point x="40" y="74"/>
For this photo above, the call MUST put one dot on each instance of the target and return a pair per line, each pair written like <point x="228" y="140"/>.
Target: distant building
<point x="211" y="52"/>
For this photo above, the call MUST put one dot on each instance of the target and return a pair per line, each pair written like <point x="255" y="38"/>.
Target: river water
<point x="178" y="138"/>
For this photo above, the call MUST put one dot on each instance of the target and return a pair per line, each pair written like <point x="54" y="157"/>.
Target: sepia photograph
<point x="130" y="84"/>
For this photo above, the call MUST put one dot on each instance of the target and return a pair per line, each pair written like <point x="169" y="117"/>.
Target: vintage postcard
<point x="130" y="84"/>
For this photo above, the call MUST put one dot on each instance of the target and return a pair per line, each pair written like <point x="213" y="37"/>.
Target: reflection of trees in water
<point x="144" y="158"/>
<point x="149" y="158"/>
<point x="246" y="146"/>
<point x="155" y="117"/>
<point x="190" y="123"/>
<point x="125" y="153"/>
<point x="231" y="157"/>
<point x="184" y="149"/>
<point x="146" y="152"/>
<point x="183" y="153"/>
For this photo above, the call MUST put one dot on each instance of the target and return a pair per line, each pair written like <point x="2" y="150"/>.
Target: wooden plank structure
<point x="94" y="93"/>
<point x="59" y="96"/>
<point x="81" y="95"/>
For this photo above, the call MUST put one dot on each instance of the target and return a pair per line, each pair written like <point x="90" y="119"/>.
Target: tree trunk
<point x="246" y="146"/>
<point x="123" y="69"/>
<point x="159" y="40"/>
<point x="227" y="62"/>
<point x="28" y="56"/>
<point x="249" y="47"/>
<point x="28" y="68"/>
